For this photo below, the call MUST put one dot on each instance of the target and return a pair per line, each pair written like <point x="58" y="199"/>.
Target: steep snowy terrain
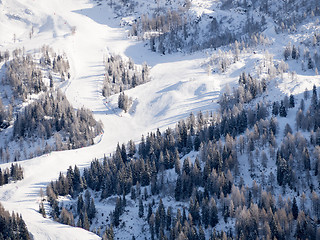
<point x="87" y="33"/>
<point x="179" y="86"/>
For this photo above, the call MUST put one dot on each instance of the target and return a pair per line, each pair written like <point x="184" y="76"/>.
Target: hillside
<point x="194" y="59"/>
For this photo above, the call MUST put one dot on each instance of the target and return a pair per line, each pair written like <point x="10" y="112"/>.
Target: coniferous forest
<point x="209" y="186"/>
<point x="122" y="75"/>
<point x="47" y="116"/>
<point x="14" y="173"/>
<point x="12" y="226"/>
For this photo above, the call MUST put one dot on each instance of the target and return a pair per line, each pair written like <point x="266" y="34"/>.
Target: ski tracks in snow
<point x="177" y="88"/>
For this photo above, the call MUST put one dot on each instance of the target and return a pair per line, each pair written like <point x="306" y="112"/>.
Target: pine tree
<point x="123" y="153"/>
<point x="91" y="209"/>
<point x="152" y="225"/>
<point x="287" y="52"/>
<point x="306" y="158"/>
<point x="117" y="212"/>
<point x="178" y="189"/>
<point x="177" y="164"/>
<point x="202" y="235"/>
<point x="24" y="234"/>
<point x="131" y="148"/>
<point x="295" y="52"/>
<point x="310" y="63"/>
<point x="123" y="102"/>
<point x="169" y="218"/>
<point x="108" y="234"/>
<point x="295" y="209"/>
<point x="80" y="204"/>
<point x="141" y="208"/>
<point x="213" y="213"/>
<point x="291" y="101"/>
<point x="306" y="94"/>
<point x="314" y="99"/>
<point x="42" y="210"/>
<point x="86" y="223"/>
<point x="77" y="181"/>
<point x="157" y="223"/>
<point x="1" y="178"/>
<point x="282" y="110"/>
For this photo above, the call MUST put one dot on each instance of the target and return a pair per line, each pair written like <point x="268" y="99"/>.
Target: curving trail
<point x="179" y="86"/>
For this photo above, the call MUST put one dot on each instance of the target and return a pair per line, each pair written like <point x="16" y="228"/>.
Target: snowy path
<point x="178" y="87"/>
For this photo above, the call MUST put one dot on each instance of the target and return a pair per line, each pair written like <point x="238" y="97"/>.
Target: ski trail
<point x="177" y="88"/>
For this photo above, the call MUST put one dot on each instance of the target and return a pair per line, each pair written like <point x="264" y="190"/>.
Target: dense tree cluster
<point x="52" y="114"/>
<point x="286" y="14"/>
<point x="55" y="62"/>
<point x="71" y="184"/>
<point x="14" y="173"/>
<point x="211" y="183"/>
<point x="190" y="37"/>
<point x="122" y="75"/>
<point x="24" y="75"/>
<point x="12" y="226"/>
<point x="160" y="22"/>
<point x="249" y="88"/>
<point x="178" y="30"/>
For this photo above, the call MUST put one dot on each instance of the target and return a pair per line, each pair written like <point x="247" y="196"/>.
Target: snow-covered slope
<point x="87" y="33"/>
<point x="179" y="85"/>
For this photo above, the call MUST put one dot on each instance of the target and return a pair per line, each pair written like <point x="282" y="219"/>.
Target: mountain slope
<point x="86" y="49"/>
<point x="88" y="32"/>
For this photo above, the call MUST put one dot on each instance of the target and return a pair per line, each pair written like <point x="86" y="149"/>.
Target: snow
<point x="180" y="85"/>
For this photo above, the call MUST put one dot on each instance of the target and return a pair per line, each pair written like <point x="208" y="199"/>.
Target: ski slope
<point x="179" y="85"/>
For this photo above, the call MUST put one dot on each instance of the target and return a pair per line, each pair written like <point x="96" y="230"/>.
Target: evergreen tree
<point x="117" y="212"/>
<point x="291" y="101"/>
<point x="169" y="218"/>
<point x="295" y="209"/>
<point x="86" y="224"/>
<point x="282" y="110"/>
<point x="108" y="234"/>
<point x="131" y="148"/>
<point x="91" y="209"/>
<point x="213" y="213"/>
<point x="42" y="210"/>
<point x="314" y="99"/>
<point x="24" y="234"/>
<point x="178" y="189"/>
<point x="295" y="52"/>
<point x="177" y="165"/>
<point x="141" y="208"/>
